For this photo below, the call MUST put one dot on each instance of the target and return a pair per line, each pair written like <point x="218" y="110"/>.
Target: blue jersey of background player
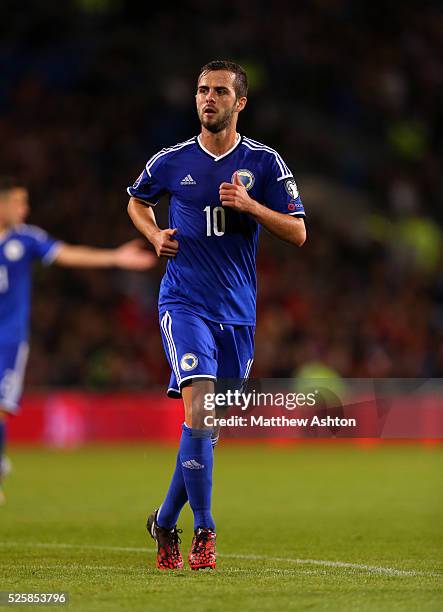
<point x="222" y="187"/>
<point x="20" y="246"/>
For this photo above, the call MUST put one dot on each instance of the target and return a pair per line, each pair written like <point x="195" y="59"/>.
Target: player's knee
<point x="197" y="416"/>
<point x="197" y="413"/>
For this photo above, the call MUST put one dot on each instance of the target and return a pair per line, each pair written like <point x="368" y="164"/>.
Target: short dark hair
<point x="9" y="182"/>
<point x="241" y="78"/>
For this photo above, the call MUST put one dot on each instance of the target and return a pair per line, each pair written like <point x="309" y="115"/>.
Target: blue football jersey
<point x="18" y="249"/>
<point x="214" y="273"/>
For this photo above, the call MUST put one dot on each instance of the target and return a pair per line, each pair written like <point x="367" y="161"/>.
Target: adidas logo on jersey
<point x="188" y="180"/>
<point x="192" y="464"/>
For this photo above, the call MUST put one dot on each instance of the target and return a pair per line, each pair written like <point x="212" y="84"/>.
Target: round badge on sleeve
<point x="291" y="188"/>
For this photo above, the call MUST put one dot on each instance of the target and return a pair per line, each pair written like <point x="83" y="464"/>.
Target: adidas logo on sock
<point x="188" y="180"/>
<point x="192" y="464"/>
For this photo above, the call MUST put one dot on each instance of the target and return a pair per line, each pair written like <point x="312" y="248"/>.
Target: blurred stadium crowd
<point x="349" y="92"/>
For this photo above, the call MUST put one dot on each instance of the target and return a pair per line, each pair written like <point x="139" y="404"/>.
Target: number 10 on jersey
<point x="215" y="220"/>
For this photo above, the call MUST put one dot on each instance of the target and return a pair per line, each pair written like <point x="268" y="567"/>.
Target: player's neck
<point x="219" y="143"/>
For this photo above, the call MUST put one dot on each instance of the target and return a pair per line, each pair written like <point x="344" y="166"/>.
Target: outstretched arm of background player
<point x="130" y="255"/>
<point x="288" y="228"/>
<point x="143" y="218"/>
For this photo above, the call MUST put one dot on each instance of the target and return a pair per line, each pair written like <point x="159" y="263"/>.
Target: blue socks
<point x="192" y="480"/>
<point x="197" y="459"/>
<point x="176" y="498"/>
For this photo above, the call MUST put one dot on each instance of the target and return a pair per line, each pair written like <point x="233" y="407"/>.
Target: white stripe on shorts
<point x="166" y="324"/>
<point x="248" y="368"/>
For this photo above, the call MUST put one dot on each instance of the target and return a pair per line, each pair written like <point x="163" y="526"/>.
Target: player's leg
<point x="162" y="522"/>
<point x="192" y="354"/>
<point x="235" y="346"/>
<point x="176" y="497"/>
<point x="190" y="351"/>
<point x="196" y="451"/>
<point x="234" y="350"/>
<point x="13" y="360"/>
<point x="197" y="459"/>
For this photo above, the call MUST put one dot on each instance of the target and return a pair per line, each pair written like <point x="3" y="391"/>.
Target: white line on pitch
<point x="372" y="569"/>
<point x="80" y="566"/>
<point x="76" y="567"/>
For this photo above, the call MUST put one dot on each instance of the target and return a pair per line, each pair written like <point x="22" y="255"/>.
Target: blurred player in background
<point x="20" y="245"/>
<point x="222" y="187"/>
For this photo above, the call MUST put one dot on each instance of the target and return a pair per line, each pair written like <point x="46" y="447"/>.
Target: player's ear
<point x="241" y="103"/>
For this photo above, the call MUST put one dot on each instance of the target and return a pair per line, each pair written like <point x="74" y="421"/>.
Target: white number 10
<point x="215" y="223"/>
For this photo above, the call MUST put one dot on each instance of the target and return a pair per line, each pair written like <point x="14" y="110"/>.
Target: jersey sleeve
<point x="281" y="191"/>
<point x="41" y="245"/>
<point x="151" y="183"/>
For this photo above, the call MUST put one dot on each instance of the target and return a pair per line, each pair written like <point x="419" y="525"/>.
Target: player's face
<point x="217" y="103"/>
<point x="14" y="206"/>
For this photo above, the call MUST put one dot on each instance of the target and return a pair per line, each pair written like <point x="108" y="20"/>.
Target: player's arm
<point x="286" y="227"/>
<point x="130" y="255"/>
<point x="143" y="218"/>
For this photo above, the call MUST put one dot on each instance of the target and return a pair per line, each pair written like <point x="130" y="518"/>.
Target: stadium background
<point x="350" y="93"/>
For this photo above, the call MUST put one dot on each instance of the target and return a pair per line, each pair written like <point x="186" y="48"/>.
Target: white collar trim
<point x="217" y="157"/>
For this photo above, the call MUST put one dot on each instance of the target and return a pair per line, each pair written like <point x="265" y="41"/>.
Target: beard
<point x="221" y="124"/>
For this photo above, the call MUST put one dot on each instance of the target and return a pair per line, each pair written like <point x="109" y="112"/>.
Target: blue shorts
<point x="198" y="348"/>
<point x="13" y="358"/>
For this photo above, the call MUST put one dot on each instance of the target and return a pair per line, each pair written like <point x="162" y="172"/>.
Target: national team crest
<point x="188" y="362"/>
<point x="246" y="177"/>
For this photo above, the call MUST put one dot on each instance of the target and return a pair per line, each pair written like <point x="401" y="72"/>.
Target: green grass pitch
<point x="307" y="527"/>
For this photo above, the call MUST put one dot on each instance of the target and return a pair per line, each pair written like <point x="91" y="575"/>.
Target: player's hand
<point x="164" y="243"/>
<point x="234" y="195"/>
<point x="133" y="256"/>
